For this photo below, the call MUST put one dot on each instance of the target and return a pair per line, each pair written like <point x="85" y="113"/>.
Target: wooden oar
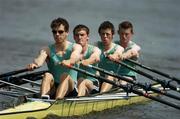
<point x="13" y="72"/>
<point x="146" y="86"/>
<point x="164" y="83"/>
<point x="155" y="71"/>
<point x="128" y="88"/>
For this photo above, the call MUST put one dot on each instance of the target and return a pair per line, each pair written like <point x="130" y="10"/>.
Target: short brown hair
<point x="126" y="25"/>
<point x="60" y="21"/>
<point x="81" y="27"/>
<point x="106" y="25"/>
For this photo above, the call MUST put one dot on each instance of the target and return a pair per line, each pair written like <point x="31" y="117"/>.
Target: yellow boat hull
<point x="63" y="108"/>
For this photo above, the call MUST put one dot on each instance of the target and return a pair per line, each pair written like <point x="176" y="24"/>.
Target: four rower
<point x="61" y="81"/>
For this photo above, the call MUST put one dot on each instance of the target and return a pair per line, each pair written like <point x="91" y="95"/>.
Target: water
<point x="24" y="29"/>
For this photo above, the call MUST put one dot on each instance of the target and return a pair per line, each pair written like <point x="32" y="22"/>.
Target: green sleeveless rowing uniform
<point x="90" y="70"/>
<point x="105" y="63"/>
<point x="122" y="70"/>
<point x="57" y="70"/>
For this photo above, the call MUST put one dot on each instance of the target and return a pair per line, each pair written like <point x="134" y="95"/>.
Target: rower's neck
<point x="124" y="44"/>
<point x="84" y="48"/>
<point x="108" y="47"/>
<point x="61" y="46"/>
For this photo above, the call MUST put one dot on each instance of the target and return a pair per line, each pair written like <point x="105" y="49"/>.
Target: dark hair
<point x="60" y="21"/>
<point x="106" y="25"/>
<point x="81" y="27"/>
<point x="126" y="25"/>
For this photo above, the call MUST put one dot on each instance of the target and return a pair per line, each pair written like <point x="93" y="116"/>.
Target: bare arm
<point x="40" y="59"/>
<point x="94" y="58"/>
<point x="117" y="54"/>
<point x="133" y="52"/>
<point x="75" y="55"/>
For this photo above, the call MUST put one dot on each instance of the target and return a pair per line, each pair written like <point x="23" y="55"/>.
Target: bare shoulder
<point x="96" y="49"/>
<point x="77" y="47"/>
<point x="45" y="50"/>
<point x="119" y="47"/>
<point x="136" y="47"/>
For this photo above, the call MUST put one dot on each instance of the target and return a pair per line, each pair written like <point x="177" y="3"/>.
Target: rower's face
<point x="81" y="37"/>
<point x="59" y="34"/>
<point x="125" y="35"/>
<point x="106" y="36"/>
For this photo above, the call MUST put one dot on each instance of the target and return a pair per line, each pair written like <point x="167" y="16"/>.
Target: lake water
<point x="24" y="29"/>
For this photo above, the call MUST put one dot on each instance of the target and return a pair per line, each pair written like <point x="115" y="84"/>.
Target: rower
<point x="89" y="55"/>
<point x="131" y="49"/>
<point x="59" y="77"/>
<point x="110" y="50"/>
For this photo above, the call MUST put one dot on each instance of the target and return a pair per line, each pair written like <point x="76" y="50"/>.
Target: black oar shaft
<point x="33" y="74"/>
<point x="20" y="87"/>
<point x="130" y="89"/>
<point x="21" y="79"/>
<point x="10" y="93"/>
<point x="163" y="82"/>
<point x="144" y="86"/>
<point x="32" y="82"/>
<point x="156" y="99"/>
<point x="155" y="71"/>
<point x="13" y="73"/>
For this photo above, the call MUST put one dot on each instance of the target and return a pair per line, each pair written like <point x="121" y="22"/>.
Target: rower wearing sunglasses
<point x="59" y="81"/>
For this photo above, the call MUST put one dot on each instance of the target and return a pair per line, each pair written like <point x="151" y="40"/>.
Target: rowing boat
<point x="40" y="108"/>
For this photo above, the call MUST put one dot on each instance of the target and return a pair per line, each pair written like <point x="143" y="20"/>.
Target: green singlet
<point x="57" y="70"/>
<point x="105" y="63"/>
<point x="90" y="70"/>
<point x="126" y="71"/>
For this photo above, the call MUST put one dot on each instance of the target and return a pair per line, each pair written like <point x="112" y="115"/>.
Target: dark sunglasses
<point x="55" y="32"/>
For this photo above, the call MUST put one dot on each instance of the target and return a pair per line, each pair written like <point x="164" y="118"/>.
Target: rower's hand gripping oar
<point x="128" y="88"/>
<point x="11" y="73"/>
<point x="154" y="70"/>
<point x="146" y="87"/>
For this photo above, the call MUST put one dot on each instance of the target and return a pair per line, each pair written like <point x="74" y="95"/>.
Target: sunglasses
<point x="55" y="32"/>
